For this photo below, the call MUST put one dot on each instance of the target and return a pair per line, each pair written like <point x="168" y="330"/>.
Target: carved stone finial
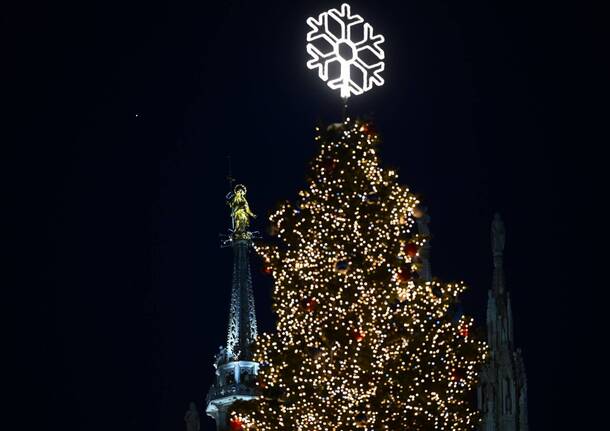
<point x="498" y="236"/>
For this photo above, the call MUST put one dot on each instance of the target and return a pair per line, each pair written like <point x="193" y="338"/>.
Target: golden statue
<point x="240" y="211"/>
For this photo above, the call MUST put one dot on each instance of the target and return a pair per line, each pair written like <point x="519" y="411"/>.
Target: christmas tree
<point x="362" y="341"/>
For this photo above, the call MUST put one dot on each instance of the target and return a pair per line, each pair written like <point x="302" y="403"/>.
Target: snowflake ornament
<point x="330" y="43"/>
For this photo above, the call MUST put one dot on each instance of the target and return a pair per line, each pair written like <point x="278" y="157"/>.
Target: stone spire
<point x="498" y="239"/>
<point x="235" y="370"/>
<point x="502" y="391"/>
<point x="242" y="318"/>
<point x="499" y="310"/>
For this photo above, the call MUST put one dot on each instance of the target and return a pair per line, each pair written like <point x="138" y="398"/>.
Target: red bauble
<point x="458" y="375"/>
<point x="411" y="249"/>
<point x="464" y="330"/>
<point x="267" y="269"/>
<point x="405" y="274"/>
<point x="235" y="424"/>
<point x="329" y="165"/>
<point x="367" y="129"/>
<point x="311" y="305"/>
<point x="358" y="335"/>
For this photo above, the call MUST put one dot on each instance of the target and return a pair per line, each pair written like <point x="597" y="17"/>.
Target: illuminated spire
<point x="235" y="370"/>
<point x="242" y="318"/>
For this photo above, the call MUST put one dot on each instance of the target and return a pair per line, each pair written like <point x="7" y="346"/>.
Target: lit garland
<point x="361" y="343"/>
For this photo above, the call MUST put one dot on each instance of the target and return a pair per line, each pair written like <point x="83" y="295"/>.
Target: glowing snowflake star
<point x="330" y="41"/>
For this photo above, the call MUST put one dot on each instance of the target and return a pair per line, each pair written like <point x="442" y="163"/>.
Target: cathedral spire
<point x="235" y="369"/>
<point x="502" y="391"/>
<point x="242" y="318"/>
<point x="498" y="238"/>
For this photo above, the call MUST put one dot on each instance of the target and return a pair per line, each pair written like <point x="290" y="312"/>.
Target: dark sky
<point x="116" y="166"/>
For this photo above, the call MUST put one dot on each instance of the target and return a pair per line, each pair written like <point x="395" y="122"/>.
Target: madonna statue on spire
<point x="240" y="211"/>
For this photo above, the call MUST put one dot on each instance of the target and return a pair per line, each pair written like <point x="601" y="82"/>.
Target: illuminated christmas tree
<point x="363" y="342"/>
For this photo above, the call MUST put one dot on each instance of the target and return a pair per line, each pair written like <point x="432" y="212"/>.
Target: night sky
<point x="115" y="175"/>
